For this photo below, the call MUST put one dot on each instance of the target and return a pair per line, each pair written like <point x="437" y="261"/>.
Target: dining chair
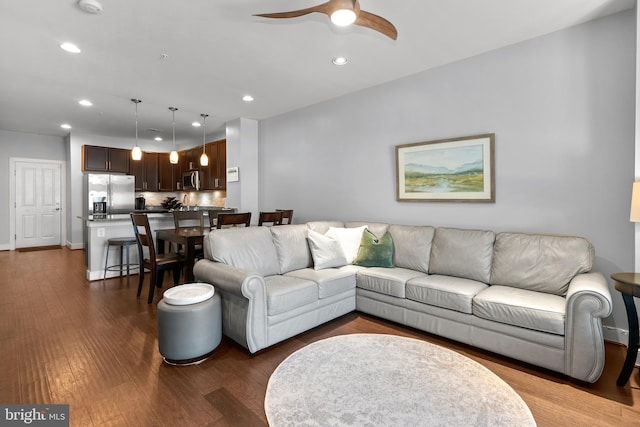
<point x="233" y="219"/>
<point x="274" y="218"/>
<point x="155" y="263"/>
<point x="189" y="219"/>
<point x="286" y="214"/>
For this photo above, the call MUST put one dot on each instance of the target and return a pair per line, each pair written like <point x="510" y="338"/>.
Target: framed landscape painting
<point x="447" y="170"/>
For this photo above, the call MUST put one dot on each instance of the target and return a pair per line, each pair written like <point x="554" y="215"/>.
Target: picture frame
<point x="447" y="170"/>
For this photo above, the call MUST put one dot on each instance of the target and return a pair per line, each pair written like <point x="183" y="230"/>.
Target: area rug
<point x="387" y="380"/>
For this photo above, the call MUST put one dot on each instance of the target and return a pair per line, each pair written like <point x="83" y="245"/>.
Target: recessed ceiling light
<point x="65" y="126"/>
<point x="157" y="138"/>
<point x="196" y="124"/>
<point x="85" y="103"/>
<point x="247" y="98"/>
<point x="70" y="47"/>
<point x="340" y="60"/>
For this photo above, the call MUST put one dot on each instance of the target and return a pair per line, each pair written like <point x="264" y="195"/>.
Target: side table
<point x="628" y="284"/>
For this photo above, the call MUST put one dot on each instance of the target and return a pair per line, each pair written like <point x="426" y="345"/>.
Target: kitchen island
<point x="99" y="230"/>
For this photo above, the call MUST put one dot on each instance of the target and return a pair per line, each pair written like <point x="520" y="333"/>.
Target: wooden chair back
<point x="188" y="218"/>
<point x="274" y="218"/>
<point x="155" y="263"/>
<point x="144" y="237"/>
<point x="233" y="219"/>
<point x="287" y="214"/>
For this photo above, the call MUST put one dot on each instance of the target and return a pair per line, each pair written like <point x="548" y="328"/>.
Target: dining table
<point x="189" y="238"/>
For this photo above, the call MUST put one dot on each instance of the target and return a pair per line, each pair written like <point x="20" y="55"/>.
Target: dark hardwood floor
<point x="94" y="346"/>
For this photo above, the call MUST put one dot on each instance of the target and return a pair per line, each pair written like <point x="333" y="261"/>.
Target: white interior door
<point x="38" y="194"/>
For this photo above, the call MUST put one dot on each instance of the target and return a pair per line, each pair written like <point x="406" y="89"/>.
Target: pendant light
<point x="204" y="159"/>
<point x="136" y="152"/>
<point x="173" y="157"/>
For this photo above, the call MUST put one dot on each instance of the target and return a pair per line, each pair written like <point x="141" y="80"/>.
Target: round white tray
<point x="190" y="293"/>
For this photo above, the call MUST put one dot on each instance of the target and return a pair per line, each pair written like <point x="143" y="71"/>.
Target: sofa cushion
<point x="540" y="262"/>
<point x="323" y="226"/>
<point x="349" y="239"/>
<point x="330" y="281"/>
<point x="375" y="252"/>
<point x="285" y="293"/>
<point x="519" y="307"/>
<point x="249" y="248"/>
<point x="377" y="228"/>
<point x="325" y="251"/>
<point x="448" y="292"/>
<point x="388" y="281"/>
<point x="462" y="253"/>
<point x="292" y="247"/>
<point x="412" y="246"/>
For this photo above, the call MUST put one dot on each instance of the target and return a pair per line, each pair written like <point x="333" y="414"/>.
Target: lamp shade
<point x="173" y="157"/>
<point x="343" y="17"/>
<point x="635" y="203"/>
<point x="136" y="153"/>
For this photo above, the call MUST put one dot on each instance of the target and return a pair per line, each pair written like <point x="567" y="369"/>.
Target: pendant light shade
<point x="136" y="152"/>
<point x="204" y="159"/>
<point x="173" y="157"/>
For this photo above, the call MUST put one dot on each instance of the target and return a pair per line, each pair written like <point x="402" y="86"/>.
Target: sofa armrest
<point x="588" y="301"/>
<point x="244" y="298"/>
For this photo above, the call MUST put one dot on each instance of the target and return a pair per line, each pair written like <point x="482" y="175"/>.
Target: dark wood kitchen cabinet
<point x="214" y="176"/>
<point x="145" y="172"/>
<point x="167" y="173"/>
<point x="105" y="159"/>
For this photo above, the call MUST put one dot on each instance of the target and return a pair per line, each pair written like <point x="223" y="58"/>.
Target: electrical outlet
<point x="100" y="232"/>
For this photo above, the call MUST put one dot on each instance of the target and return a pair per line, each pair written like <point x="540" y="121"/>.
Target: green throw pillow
<point x="375" y="252"/>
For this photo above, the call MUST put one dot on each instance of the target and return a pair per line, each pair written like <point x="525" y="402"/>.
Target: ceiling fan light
<point x="173" y="157"/>
<point x="343" y="17"/>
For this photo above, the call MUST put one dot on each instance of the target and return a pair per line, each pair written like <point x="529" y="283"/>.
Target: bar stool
<point x="122" y="243"/>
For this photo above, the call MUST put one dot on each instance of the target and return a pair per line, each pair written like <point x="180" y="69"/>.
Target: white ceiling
<point x="217" y="52"/>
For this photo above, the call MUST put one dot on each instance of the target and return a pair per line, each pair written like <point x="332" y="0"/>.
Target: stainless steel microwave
<point x="191" y="180"/>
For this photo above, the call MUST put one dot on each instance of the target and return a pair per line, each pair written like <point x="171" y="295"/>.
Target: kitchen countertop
<point x="155" y="212"/>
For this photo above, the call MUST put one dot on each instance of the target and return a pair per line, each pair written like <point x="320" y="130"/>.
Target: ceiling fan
<point x="343" y="13"/>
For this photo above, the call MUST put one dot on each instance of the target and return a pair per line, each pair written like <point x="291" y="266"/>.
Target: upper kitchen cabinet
<point x="168" y="179"/>
<point x="105" y="159"/>
<point x="214" y="176"/>
<point x="146" y="172"/>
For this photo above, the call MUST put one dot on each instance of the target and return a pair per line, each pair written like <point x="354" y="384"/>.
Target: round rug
<point x="387" y="380"/>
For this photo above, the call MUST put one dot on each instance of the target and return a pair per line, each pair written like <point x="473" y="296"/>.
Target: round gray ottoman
<point x="189" y="323"/>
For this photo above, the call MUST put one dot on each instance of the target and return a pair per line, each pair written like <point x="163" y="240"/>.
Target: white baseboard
<point x="74" y="246"/>
<point x="6" y="247"/>
<point x="618" y="335"/>
<point x="615" y="334"/>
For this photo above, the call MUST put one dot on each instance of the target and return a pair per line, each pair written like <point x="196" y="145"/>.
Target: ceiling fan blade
<point x="378" y="23"/>
<point x="322" y="8"/>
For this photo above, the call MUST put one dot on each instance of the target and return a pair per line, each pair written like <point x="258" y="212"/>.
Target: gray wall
<point x="28" y="146"/>
<point x="562" y="109"/>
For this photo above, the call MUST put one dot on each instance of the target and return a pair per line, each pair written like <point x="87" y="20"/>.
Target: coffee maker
<point x="140" y="203"/>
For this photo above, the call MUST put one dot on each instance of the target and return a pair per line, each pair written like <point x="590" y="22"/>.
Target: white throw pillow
<point x="326" y="251"/>
<point x="349" y="239"/>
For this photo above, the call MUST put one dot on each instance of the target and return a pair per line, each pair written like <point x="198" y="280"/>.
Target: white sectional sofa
<point x="531" y="297"/>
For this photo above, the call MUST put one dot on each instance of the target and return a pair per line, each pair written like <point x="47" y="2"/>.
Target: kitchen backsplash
<point x="193" y="198"/>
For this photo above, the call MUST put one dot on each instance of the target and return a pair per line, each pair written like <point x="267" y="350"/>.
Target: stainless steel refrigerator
<point x="108" y="194"/>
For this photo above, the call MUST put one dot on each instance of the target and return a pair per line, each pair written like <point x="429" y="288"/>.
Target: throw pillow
<point x="375" y="252"/>
<point x="325" y="251"/>
<point x="349" y="239"/>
